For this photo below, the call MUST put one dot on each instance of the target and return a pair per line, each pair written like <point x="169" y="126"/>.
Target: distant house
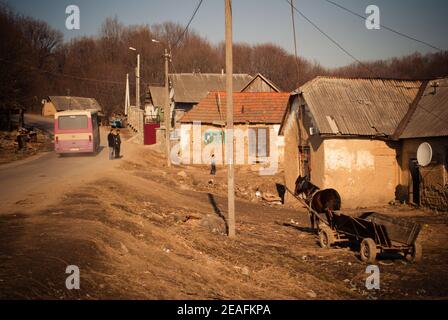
<point x="190" y="88"/>
<point x="187" y="89"/>
<point x="426" y="121"/>
<point x="339" y="133"/>
<point x="61" y="103"/>
<point x="257" y="118"/>
<point x="260" y="83"/>
<point x="154" y="102"/>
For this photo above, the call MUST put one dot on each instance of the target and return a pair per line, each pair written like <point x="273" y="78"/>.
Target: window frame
<point x="267" y="151"/>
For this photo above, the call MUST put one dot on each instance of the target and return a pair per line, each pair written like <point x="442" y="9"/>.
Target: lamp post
<point x="137" y="80"/>
<point x="167" y="108"/>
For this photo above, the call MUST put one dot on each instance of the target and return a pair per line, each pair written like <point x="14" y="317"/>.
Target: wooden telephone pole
<point x="137" y="83"/>
<point x="167" y="112"/>
<point x="229" y="133"/>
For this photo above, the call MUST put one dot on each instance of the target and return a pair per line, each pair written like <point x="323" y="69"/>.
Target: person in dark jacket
<point x="213" y="165"/>
<point x="117" y="144"/>
<point x="111" y="144"/>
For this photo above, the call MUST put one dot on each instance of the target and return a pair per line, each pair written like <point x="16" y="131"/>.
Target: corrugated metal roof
<point x="62" y="103"/>
<point x="192" y="87"/>
<point x="358" y="106"/>
<point x="252" y="107"/>
<point x="157" y="95"/>
<point x="430" y="118"/>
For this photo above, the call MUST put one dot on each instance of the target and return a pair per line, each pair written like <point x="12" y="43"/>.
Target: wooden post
<point x="229" y="131"/>
<point x="167" y="114"/>
<point x="295" y="42"/>
<point x="137" y="83"/>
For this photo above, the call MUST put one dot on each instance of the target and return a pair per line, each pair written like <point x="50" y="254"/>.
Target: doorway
<point x="305" y="161"/>
<point x="414" y="194"/>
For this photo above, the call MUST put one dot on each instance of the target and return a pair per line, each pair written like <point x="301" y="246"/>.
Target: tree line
<point x="35" y="62"/>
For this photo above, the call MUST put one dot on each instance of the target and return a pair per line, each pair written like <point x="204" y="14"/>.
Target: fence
<point x="136" y="122"/>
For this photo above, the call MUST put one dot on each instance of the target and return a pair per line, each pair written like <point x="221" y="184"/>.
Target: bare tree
<point x="34" y="62"/>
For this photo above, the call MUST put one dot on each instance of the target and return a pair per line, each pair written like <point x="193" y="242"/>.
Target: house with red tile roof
<point x="257" y="119"/>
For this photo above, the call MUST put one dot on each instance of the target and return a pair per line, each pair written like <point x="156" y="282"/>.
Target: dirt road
<point x="144" y="231"/>
<point x="43" y="178"/>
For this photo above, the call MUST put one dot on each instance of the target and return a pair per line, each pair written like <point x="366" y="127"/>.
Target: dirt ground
<point x="9" y="150"/>
<point x="145" y="231"/>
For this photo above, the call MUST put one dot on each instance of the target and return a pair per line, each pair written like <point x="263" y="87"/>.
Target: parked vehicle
<point x="76" y="131"/>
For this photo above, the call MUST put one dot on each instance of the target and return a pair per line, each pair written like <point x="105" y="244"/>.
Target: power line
<point x="183" y="34"/>
<point x="188" y="24"/>
<point x="329" y="37"/>
<point x="65" y="75"/>
<point x="385" y="27"/>
<point x="353" y="57"/>
<point x="60" y="74"/>
<point x="295" y="41"/>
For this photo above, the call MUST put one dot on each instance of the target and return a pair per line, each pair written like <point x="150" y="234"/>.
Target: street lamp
<point x="137" y="80"/>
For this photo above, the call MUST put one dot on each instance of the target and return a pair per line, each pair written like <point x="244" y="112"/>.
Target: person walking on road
<point x="111" y="144"/>
<point x="213" y="165"/>
<point x="117" y="144"/>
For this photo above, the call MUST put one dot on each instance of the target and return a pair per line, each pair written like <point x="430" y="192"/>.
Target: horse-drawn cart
<point x="374" y="232"/>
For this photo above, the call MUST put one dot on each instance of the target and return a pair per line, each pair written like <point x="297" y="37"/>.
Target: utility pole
<point x="127" y="100"/>
<point x="167" y="112"/>
<point x="137" y="81"/>
<point x="229" y="131"/>
<point x="295" y="41"/>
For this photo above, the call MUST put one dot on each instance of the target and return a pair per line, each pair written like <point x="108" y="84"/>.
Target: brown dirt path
<point x="143" y="231"/>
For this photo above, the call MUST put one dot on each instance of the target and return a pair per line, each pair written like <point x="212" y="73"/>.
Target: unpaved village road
<point x="139" y="230"/>
<point x="42" y="178"/>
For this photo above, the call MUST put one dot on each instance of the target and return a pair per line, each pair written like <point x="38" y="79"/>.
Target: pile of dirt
<point x="40" y="141"/>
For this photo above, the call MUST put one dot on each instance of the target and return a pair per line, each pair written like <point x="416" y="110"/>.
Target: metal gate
<point x="150" y="133"/>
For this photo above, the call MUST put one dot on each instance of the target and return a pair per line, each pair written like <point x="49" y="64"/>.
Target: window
<point x="259" y="142"/>
<point x="73" y="122"/>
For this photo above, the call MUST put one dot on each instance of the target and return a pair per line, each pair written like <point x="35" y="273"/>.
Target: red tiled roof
<point x="252" y="107"/>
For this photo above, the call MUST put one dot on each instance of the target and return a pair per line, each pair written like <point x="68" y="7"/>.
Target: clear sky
<point x="258" y="21"/>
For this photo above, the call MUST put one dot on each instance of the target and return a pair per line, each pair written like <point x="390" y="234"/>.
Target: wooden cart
<point x="374" y="232"/>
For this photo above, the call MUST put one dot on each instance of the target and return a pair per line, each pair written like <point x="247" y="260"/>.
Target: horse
<point x="322" y="201"/>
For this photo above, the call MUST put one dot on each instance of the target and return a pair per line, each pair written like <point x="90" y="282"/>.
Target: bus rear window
<point x="73" y="122"/>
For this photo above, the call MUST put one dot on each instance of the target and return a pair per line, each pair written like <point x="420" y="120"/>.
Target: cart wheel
<point x="368" y="250"/>
<point x="326" y="237"/>
<point x="416" y="253"/>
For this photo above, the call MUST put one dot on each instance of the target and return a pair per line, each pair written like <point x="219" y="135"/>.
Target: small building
<point x="62" y="103"/>
<point x="190" y="88"/>
<point x="426" y="121"/>
<point x="260" y="83"/>
<point x="257" y="118"/>
<point x="338" y="133"/>
<point x="154" y="103"/>
<point x="187" y="89"/>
